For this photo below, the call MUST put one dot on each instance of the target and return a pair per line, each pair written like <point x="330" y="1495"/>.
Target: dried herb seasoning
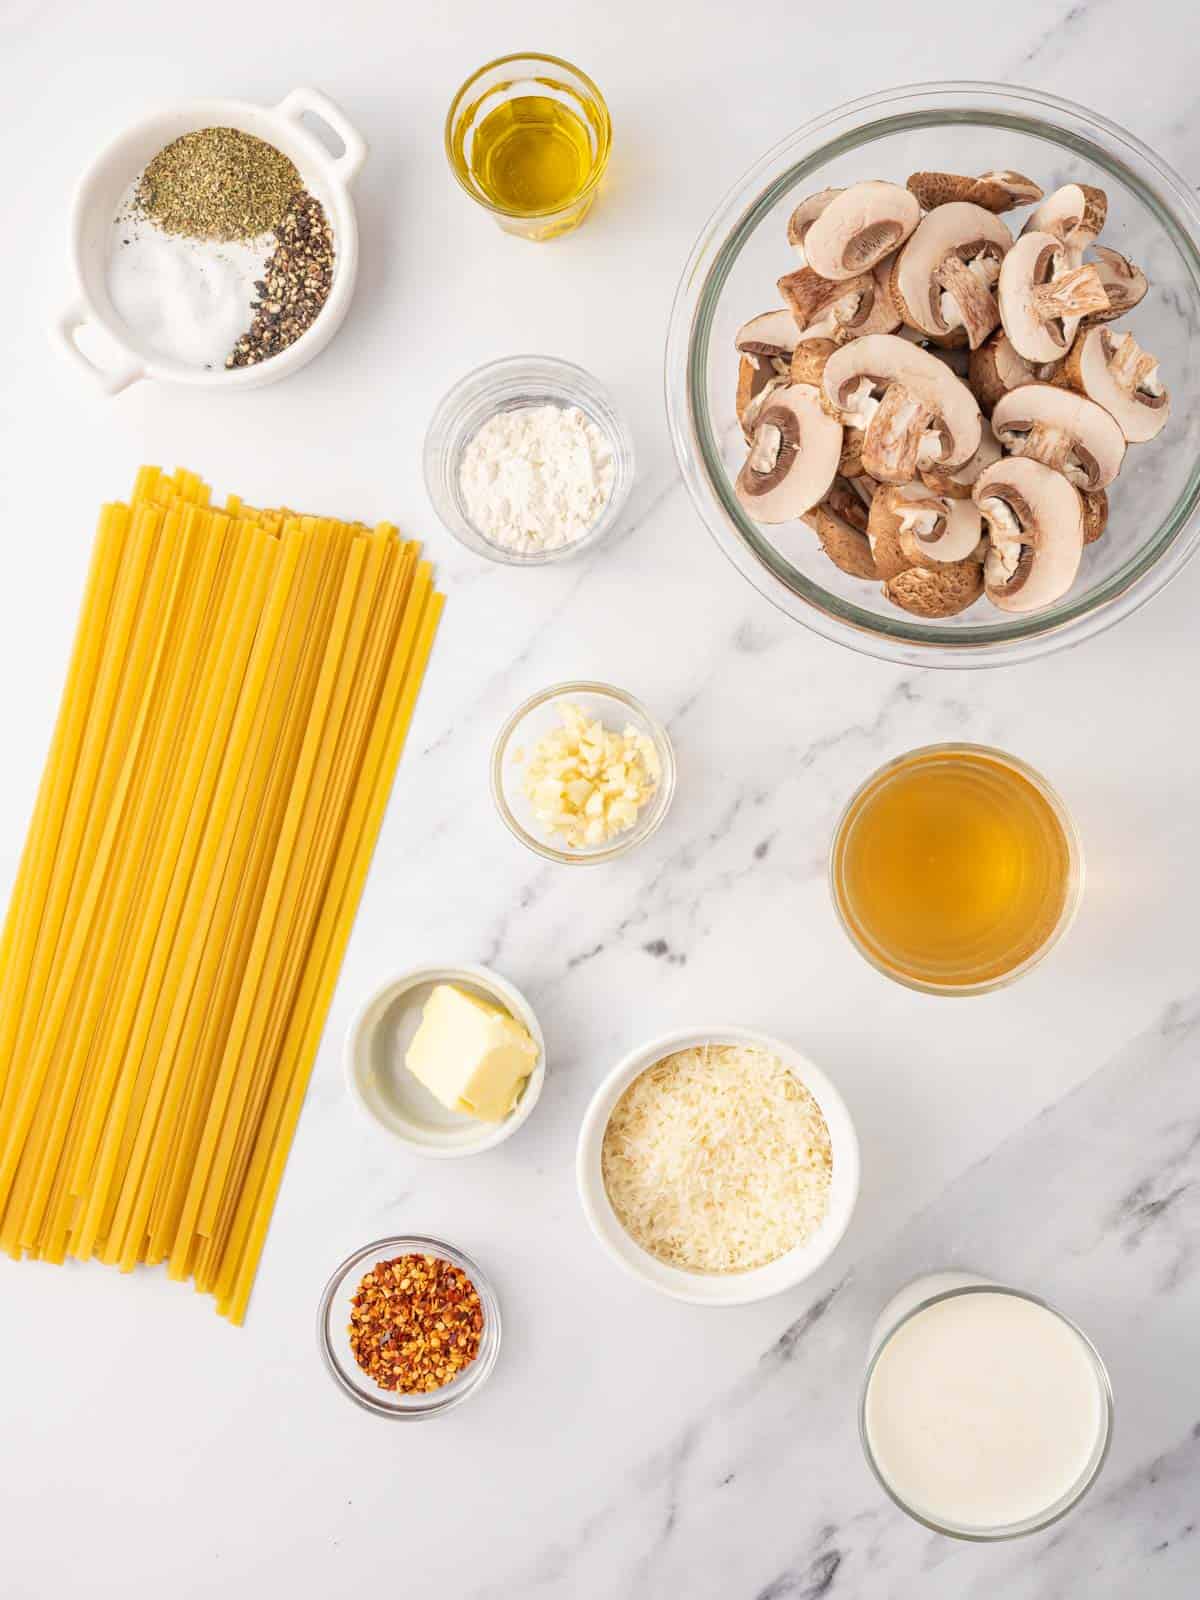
<point x="415" y="1323"/>
<point x="218" y="183"/>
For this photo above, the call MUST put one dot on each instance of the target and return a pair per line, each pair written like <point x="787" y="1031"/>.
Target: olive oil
<point x="529" y="138"/>
<point x="953" y="868"/>
<point x="531" y="155"/>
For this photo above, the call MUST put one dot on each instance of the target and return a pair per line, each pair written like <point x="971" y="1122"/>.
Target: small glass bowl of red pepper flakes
<point x="408" y="1327"/>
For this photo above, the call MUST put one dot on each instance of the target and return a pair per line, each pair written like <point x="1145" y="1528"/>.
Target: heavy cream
<point x="984" y="1411"/>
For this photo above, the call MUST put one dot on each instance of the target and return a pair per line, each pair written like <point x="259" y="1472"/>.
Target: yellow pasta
<point x="274" y="936"/>
<point x="91" y="845"/>
<point x="235" y="631"/>
<point x="19" y="1019"/>
<point x="276" y="760"/>
<point x="37" y="861"/>
<point x="171" y="862"/>
<point x="334" y="772"/>
<point x="310" y="1022"/>
<point x="232" y="716"/>
<point x="395" y="662"/>
<point x="125" y="912"/>
<point x="175" y="1027"/>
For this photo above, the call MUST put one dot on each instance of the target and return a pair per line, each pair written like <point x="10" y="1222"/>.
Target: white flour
<point x="187" y="298"/>
<point x="536" y="478"/>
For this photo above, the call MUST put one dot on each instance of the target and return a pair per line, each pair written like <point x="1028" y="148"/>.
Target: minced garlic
<point x="587" y="783"/>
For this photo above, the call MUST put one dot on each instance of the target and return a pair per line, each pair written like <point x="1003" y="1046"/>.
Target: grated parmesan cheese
<point x="718" y="1159"/>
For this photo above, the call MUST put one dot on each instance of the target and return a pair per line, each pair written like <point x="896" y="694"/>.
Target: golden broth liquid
<point x="531" y="155"/>
<point x="952" y="868"/>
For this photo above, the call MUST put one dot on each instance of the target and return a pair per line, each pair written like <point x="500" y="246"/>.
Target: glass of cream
<point x="985" y="1413"/>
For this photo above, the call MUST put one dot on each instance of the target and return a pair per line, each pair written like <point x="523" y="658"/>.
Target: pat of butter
<point x="470" y="1054"/>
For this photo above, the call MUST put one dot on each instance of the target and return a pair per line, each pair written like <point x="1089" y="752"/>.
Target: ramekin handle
<point x="350" y="163"/>
<point x="62" y="336"/>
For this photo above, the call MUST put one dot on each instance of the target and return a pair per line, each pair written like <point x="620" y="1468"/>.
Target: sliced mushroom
<point x="805" y="214"/>
<point x="1095" y="515"/>
<point x="880" y="313"/>
<point x="942" y="531"/>
<point x="765" y="346"/>
<point x="1063" y="430"/>
<point x="922" y="415"/>
<point x="883" y="529"/>
<point x="1119" y="375"/>
<point x="840" y="523"/>
<point x="995" y="368"/>
<point x="809" y="358"/>
<point x="1020" y="190"/>
<point x="865" y="487"/>
<point x="850" y="464"/>
<point x="891" y="447"/>
<point x="911" y="527"/>
<point x="957" y="485"/>
<point x="758" y="379"/>
<point x="844" y="500"/>
<point x="753" y="374"/>
<point x="1035" y="523"/>
<point x="826" y="310"/>
<point x="859" y="227"/>
<point x="773" y="334"/>
<point x="994" y="191"/>
<point x="845" y="546"/>
<point x="936" y="592"/>
<point x="1124" y="284"/>
<point x="793" y="457"/>
<point x="1043" y="297"/>
<point x="1074" y="215"/>
<point x="943" y="277"/>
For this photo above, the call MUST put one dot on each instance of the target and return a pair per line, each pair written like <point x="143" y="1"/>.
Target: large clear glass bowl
<point x="960" y="127"/>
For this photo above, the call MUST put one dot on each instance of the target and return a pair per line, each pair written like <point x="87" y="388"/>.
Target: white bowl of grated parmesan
<point x="718" y="1165"/>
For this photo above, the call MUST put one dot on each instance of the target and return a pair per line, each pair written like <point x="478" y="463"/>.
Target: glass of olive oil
<point x="528" y="137"/>
<point x="955" y="869"/>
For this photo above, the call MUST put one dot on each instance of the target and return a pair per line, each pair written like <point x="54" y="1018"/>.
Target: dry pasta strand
<point x="233" y="713"/>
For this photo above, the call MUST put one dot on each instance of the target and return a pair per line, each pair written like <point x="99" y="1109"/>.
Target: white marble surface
<point x="626" y="1446"/>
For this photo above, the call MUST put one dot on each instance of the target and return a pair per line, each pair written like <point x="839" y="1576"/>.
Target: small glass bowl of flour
<point x="527" y="461"/>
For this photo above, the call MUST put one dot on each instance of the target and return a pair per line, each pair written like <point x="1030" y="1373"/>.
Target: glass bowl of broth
<point x="955" y="869"/>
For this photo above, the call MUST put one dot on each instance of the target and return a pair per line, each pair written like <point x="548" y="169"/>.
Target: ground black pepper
<point x="295" y="283"/>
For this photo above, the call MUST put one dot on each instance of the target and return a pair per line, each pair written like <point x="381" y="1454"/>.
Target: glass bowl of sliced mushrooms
<point x="927" y="374"/>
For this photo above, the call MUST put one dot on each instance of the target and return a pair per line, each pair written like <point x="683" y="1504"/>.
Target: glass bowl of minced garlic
<point x="582" y="772"/>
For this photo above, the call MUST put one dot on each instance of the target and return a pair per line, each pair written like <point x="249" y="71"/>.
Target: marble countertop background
<point x="1048" y="1135"/>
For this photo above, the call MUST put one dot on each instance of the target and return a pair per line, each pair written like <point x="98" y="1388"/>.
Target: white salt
<point x="188" y="299"/>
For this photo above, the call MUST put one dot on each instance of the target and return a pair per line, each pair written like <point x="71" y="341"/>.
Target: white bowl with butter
<point x="454" y="1054"/>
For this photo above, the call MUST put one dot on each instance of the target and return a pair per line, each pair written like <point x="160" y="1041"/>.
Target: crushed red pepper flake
<point x="415" y="1323"/>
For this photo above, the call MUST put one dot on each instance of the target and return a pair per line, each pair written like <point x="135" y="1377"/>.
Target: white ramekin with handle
<point x="99" y="192"/>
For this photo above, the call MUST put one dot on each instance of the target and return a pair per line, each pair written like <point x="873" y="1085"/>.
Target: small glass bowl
<point x="536" y="717"/>
<point x="509" y="385"/>
<point x="333" y="1317"/>
<point x="508" y="79"/>
<point x="945" y="1287"/>
<point x="860" y="936"/>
